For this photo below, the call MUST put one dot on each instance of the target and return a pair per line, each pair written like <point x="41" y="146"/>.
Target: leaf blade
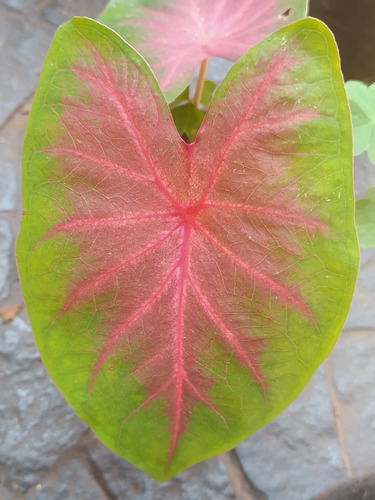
<point x="252" y="298"/>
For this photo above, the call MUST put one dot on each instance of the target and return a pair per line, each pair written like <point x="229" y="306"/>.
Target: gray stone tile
<point x="70" y="481"/>
<point x="8" y="187"/>
<point x="61" y="10"/>
<point x="22" y="50"/>
<point x="24" y="42"/>
<point x="5" y="494"/>
<point x="353" y="365"/>
<point x="57" y="12"/>
<point x="5" y="250"/>
<point x="19" y="4"/>
<point x="298" y="455"/>
<point x="11" y="136"/>
<point x="37" y="423"/>
<point x="205" y="481"/>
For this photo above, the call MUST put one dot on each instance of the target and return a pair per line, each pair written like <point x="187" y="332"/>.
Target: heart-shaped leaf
<point x="175" y="36"/>
<point x="362" y="105"/>
<point x="182" y="295"/>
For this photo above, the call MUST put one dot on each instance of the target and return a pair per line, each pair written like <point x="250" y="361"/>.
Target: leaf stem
<point x="200" y="83"/>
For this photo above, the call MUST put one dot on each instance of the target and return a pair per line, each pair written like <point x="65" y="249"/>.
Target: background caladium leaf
<point x="182" y="295"/>
<point x="175" y="36"/>
<point x="362" y="105"/>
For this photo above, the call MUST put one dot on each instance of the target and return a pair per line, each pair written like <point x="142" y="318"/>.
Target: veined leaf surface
<point x="175" y="36"/>
<point x="182" y="295"/>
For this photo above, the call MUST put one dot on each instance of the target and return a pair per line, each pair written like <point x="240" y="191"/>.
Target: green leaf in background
<point x="183" y="98"/>
<point x="187" y="119"/>
<point x="208" y="91"/>
<point x="365" y="219"/>
<point x="362" y="106"/>
<point x="182" y="296"/>
<point x="186" y="116"/>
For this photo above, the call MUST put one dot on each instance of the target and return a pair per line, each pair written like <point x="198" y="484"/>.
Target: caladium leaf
<point x="182" y="295"/>
<point x="175" y="36"/>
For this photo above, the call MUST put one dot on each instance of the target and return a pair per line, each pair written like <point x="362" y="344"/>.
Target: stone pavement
<point x="46" y="453"/>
